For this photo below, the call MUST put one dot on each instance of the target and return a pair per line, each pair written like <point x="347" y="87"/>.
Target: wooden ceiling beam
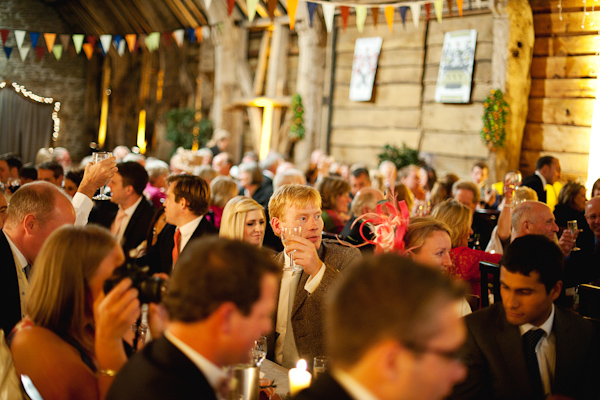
<point x="196" y="12"/>
<point x="138" y="7"/>
<point x="178" y="14"/>
<point x="187" y="16"/>
<point x="86" y="22"/>
<point x="148" y="12"/>
<point x="125" y="22"/>
<point x="123" y="9"/>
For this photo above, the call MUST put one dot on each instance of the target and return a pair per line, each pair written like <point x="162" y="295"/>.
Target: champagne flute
<point x="96" y="158"/>
<point x="513" y="181"/>
<point x="259" y="351"/>
<point x="287" y="232"/>
<point x="574" y="229"/>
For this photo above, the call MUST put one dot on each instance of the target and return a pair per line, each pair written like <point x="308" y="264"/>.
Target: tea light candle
<point x="299" y="377"/>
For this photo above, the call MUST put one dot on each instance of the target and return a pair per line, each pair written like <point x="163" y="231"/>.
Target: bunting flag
<point x="459" y="4"/>
<point x="230" y="4"/>
<point x="50" y="38"/>
<point x="20" y="36"/>
<point x="91" y="40"/>
<point x="117" y="41"/>
<point x="121" y="48"/>
<point x="178" y="36"/>
<point x="191" y="32"/>
<point x="206" y="32"/>
<point x="130" y="39"/>
<point x="7" y="51"/>
<point x="427" y="11"/>
<point x="78" y="42"/>
<point x="142" y="40"/>
<point x="207" y="3"/>
<point x="328" y="15"/>
<point x="449" y="7"/>
<point x="4" y="33"/>
<point x="415" y="10"/>
<point x="271" y="5"/>
<point x="88" y="49"/>
<point x="389" y="17"/>
<point x="167" y="39"/>
<point x="292" y="7"/>
<point x="361" y="17"/>
<point x="105" y="41"/>
<point x="345" y="11"/>
<point x="23" y="51"/>
<point x="251" y="4"/>
<point x="153" y="41"/>
<point x="64" y="40"/>
<point x="438" y="5"/>
<point x="40" y="52"/>
<point x="57" y="50"/>
<point x="311" y="12"/>
<point x="34" y="36"/>
<point x="402" y="11"/>
<point x="199" y="35"/>
<point x="375" y="12"/>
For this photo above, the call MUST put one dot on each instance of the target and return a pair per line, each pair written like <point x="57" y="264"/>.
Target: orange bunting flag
<point x="130" y="39"/>
<point x="230" y="5"/>
<point x="292" y="6"/>
<point x="375" y="11"/>
<point x="345" y="11"/>
<point x="389" y="17"/>
<point x="199" y="36"/>
<point x="427" y="10"/>
<point x="88" y="49"/>
<point x="271" y="6"/>
<point x="459" y="4"/>
<point x="50" y="38"/>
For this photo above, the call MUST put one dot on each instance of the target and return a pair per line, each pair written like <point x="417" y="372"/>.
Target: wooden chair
<point x="486" y="268"/>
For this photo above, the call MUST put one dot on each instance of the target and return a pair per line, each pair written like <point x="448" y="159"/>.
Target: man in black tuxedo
<point x="217" y="308"/>
<point x="393" y="332"/>
<point x="467" y="193"/>
<point x="527" y="347"/>
<point x="35" y="211"/>
<point x="547" y="171"/>
<point x="188" y="199"/>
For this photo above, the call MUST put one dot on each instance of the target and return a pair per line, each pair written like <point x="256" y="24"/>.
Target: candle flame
<point x="301" y="364"/>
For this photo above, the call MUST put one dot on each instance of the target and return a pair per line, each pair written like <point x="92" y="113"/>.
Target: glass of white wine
<point x="259" y="351"/>
<point x="287" y="233"/>
<point x="574" y="229"/>
<point x="96" y="158"/>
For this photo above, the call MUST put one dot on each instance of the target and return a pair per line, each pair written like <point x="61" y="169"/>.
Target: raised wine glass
<point x="574" y="229"/>
<point x="96" y="158"/>
<point x="259" y="351"/>
<point x="513" y="181"/>
<point x="287" y="233"/>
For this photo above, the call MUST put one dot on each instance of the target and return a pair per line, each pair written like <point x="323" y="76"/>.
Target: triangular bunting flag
<point x="191" y="32"/>
<point x="427" y="11"/>
<point x="178" y="36"/>
<point x="459" y="4"/>
<point x="389" y="16"/>
<point x="345" y="11"/>
<point x="328" y="15"/>
<point x="57" y="50"/>
<point x="207" y="3"/>
<point x="415" y="10"/>
<point x="142" y="40"/>
<point x="449" y="7"/>
<point x="230" y="4"/>
<point x="7" y="51"/>
<point x="117" y="41"/>
<point x="271" y="6"/>
<point x="311" y="11"/>
<point x="153" y="41"/>
<point x="4" y="33"/>
<point x="105" y="41"/>
<point x="23" y="51"/>
<point x="91" y="40"/>
<point x="402" y="11"/>
<point x="121" y="48"/>
<point x="251" y="4"/>
<point x="88" y="49"/>
<point x="50" y="39"/>
<point x="199" y="35"/>
<point x="167" y="39"/>
<point x="361" y="17"/>
<point x="40" y="52"/>
<point x="292" y="7"/>
<point x="65" y="40"/>
<point x="78" y="41"/>
<point x="438" y="5"/>
<point x="375" y="11"/>
<point x="206" y="31"/>
<point x="20" y="36"/>
<point x="34" y="36"/>
<point x="130" y="39"/>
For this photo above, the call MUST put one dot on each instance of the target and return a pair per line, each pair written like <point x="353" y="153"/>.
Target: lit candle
<point x="299" y="377"/>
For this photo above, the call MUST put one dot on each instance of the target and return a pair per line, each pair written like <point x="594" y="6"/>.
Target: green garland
<point x="297" y="125"/>
<point x="493" y="132"/>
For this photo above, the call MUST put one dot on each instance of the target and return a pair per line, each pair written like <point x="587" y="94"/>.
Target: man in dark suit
<point x="188" y="200"/>
<point x="527" y="347"/>
<point x="217" y="308"/>
<point x="547" y="171"/>
<point x="298" y="322"/>
<point x="467" y="193"/>
<point x="393" y="330"/>
<point x="35" y="211"/>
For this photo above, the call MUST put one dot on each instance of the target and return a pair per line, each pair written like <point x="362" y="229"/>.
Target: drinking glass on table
<point x="320" y="365"/>
<point x="287" y="234"/>
<point x="259" y="351"/>
<point x="574" y="229"/>
<point x="96" y="158"/>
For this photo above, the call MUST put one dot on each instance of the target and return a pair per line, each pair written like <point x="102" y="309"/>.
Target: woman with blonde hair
<point x="465" y="261"/>
<point x="70" y="342"/>
<point x="243" y="219"/>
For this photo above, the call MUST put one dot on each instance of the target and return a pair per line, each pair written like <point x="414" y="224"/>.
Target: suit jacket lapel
<point x="564" y="341"/>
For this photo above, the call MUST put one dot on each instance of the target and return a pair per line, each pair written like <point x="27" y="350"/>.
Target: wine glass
<point x="96" y="158"/>
<point x="259" y="351"/>
<point x="287" y="233"/>
<point x="513" y="181"/>
<point x="574" y="229"/>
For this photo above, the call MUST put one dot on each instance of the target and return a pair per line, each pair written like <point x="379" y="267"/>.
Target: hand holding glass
<point x="574" y="229"/>
<point x="287" y="233"/>
<point x="96" y="158"/>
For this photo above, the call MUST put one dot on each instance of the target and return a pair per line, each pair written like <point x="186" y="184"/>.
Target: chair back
<point x="589" y="301"/>
<point x="486" y="269"/>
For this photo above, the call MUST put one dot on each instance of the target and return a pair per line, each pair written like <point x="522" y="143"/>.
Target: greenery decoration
<point x="493" y="132"/>
<point x="400" y="156"/>
<point x="297" y="125"/>
<point x="184" y="130"/>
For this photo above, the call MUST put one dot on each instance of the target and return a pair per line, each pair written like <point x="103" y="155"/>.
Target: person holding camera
<point x="71" y="341"/>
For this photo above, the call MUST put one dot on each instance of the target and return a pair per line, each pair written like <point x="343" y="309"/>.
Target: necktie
<point x="530" y="341"/>
<point x="290" y="352"/>
<point x="176" y="243"/>
<point x="116" y="225"/>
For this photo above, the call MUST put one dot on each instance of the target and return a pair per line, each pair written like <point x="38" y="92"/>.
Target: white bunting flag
<point x="122" y="47"/>
<point x="105" y="42"/>
<point x="206" y="32"/>
<point x="178" y="36"/>
<point x="328" y="14"/>
<point x="20" y="36"/>
<point x="415" y="10"/>
<point x="207" y="3"/>
<point x="23" y="51"/>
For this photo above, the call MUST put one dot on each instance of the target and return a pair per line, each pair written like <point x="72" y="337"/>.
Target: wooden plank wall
<point x="563" y="90"/>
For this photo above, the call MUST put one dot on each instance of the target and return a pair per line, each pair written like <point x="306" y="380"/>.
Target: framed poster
<point x="456" y="67"/>
<point x="364" y="66"/>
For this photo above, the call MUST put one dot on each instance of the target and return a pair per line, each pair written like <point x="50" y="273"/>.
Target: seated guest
<point x="217" y="309"/>
<point x="582" y="266"/>
<point x="389" y="172"/>
<point x="467" y="193"/>
<point x="364" y="202"/>
<point x="547" y="171"/>
<point x="156" y="188"/>
<point x="222" y="189"/>
<point x="411" y="177"/>
<point x="442" y="189"/>
<point x="393" y="331"/>
<point x="270" y="163"/>
<point x="526" y="347"/>
<point x="465" y="261"/>
<point x="70" y="342"/>
<point x="402" y="193"/>
<point x="596" y="188"/>
<point x="63" y="157"/>
<point x="336" y="199"/>
<point x="571" y="206"/>
<point x="206" y="172"/>
<point x="288" y="177"/>
<point x="120" y="152"/>
<point x="254" y="184"/>
<point x="219" y="142"/>
<point x="359" y="178"/>
<point x="243" y="219"/>
<point x="222" y="163"/>
<point x="72" y="181"/>
<point x="51" y="171"/>
<point x="10" y="167"/>
<point x="28" y="173"/>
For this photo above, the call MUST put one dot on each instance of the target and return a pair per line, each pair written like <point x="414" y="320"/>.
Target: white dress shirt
<point x="187" y="231"/>
<point x="354" y="388"/>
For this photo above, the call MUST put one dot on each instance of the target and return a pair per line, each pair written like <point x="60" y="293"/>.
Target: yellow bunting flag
<point x="78" y="41"/>
<point x="50" y="38"/>
<point x="375" y="11"/>
<point x="57" y="50"/>
<point x="130" y="39"/>
<point x="438" y="5"/>
<point x="292" y="6"/>
<point x="389" y="16"/>
<point x="88" y="49"/>
<point x="361" y="17"/>
<point x="251" y="4"/>
<point x="459" y="4"/>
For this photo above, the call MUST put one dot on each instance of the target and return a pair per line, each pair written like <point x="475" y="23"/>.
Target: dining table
<point x="279" y="376"/>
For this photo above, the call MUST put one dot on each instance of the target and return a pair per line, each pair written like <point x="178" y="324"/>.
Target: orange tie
<point x="176" y="243"/>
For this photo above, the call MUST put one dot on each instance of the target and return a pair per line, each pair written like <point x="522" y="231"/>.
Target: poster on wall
<point x="364" y="66"/>
<point x="456" y="67"/>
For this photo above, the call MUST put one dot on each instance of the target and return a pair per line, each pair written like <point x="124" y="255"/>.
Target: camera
<point x="151" y="289"/>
